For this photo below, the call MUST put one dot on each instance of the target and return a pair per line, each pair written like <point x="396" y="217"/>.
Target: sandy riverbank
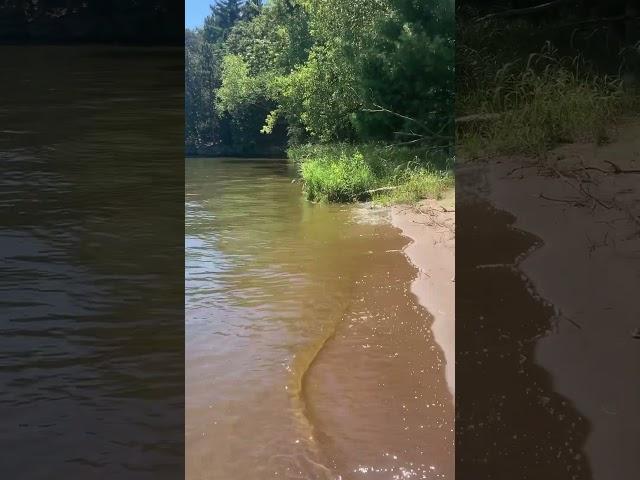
<point x="586" y="213"/>
<point x="431" y="228"/>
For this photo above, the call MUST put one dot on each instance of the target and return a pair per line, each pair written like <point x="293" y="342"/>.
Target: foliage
<point x="204" y="53"/>
<point x="344" y="172"/>
<point x="344" y="78"/>
<point x="324" y="64"/>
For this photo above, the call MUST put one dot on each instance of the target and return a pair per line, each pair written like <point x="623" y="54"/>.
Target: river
<point x="307" y="355"/>
<point x="91" y="263"/>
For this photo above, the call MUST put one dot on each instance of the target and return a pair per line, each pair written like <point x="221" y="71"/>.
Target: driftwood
<point x="368" y="193"/>
<point x="591" y="21"/>
<point x="523" y="11"/>
<point x="479" y="117"/>
<point x="617" y="169"/>
<point x="376" y="190"/>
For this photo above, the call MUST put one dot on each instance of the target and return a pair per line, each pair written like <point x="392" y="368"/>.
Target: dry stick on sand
<point x="574" y="201"/>
<point x="430" y="213"/>
<point x="580" y="188"/>
<point x="617" y="169"/>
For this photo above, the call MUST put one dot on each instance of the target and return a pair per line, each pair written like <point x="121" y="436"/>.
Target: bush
<point x="346" y="173"/>
<point x="547" y="101"/>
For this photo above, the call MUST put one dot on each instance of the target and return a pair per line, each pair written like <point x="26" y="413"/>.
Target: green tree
<point x="224" y="15"/>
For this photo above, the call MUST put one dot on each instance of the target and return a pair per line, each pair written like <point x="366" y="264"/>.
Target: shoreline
<point x="587" y="269"/>
<point x="394" y="396"/>
<point x="430" y="226"/>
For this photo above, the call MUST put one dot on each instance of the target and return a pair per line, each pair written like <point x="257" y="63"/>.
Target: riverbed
<point x="307" y="353"/>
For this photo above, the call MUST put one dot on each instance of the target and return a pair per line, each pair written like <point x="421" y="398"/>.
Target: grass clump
<point x="419" y="184"/>
<point x="347" y="173"/>
<point x="523" y="87"/>
<point x="530" y="107"/>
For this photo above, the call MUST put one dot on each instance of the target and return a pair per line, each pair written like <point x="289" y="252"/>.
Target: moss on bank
<point x="347" y="173"/>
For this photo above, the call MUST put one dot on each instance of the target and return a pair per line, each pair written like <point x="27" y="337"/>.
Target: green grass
<point x="538" y="104"/>
<point x="347" y="173"/>
<point x="542" y="84"/>
<point x="420" y="184"/>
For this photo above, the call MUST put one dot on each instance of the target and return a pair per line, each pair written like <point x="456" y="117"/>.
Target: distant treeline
<point x="96" y="21"/>
<point x="261" y="76"/>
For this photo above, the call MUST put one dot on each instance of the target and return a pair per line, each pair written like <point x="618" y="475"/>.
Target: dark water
<point x="91" y="319"/>
<point x="307" y="354"/>
<point x="510" y="420"/>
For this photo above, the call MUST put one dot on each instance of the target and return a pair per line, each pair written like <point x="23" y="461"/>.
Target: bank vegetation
<point x="358" y="92"/>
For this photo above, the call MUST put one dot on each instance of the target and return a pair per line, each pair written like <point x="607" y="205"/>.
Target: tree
<point x="224" y="15"/>
<point x="331" y="70"/>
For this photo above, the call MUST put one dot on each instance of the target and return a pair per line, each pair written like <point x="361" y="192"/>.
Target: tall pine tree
<point x="224" y="15"/>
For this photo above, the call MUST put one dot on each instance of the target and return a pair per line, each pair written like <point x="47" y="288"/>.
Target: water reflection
<point x="271" y="283"/>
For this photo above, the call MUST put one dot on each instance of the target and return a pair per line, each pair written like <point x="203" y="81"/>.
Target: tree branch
<point x="523" y="11"/>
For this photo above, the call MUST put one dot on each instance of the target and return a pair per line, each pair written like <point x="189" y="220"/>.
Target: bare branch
<point x="523" y="11"/>
<point x="479" y="117"/>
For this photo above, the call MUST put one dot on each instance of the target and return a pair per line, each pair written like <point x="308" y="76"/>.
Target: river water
<point x="91" y="262"/>
<point x="307" y="356"/>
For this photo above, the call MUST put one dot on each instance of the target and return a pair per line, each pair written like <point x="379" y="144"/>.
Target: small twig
<point x="479" y="117"/>
<point x="598" y="20"/>
<point x="380" y="109"/>
<point x="522" y="167"/>
<point x="381" y="189"/>
<point x="409" y="142"/>
<point x="572" y="321"/>
<point x="523" y="11"/>
<point x="563" y="200"/>
<point x="581" y="189"/>
<point x="617" y="169"/>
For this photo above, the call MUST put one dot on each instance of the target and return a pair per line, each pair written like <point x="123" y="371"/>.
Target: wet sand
<point x="431" y="228"/>
<point x="376" y="393"/>
<point x="587" y="268"/>
<point x="510" y="420"/>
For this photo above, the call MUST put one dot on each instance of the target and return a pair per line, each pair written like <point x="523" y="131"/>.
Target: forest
<point x="359" y="93"/>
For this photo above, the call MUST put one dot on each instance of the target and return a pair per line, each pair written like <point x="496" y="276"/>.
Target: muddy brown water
<point x="511" y="421"/>
<point x="91" y="263"/>
<point x="307" y="356"/>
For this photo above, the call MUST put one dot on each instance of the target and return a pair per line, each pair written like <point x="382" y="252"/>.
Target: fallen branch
<point x="380" y="109"/>
<point x="580" y="188"/>
<point x="408" y="142"/>
<point x="591" y="21"/>
<point x="430" y="134"/>
<point x="617" y="169"/>
<point x="479" y="117"/>
<point x="375" y="190"/>
<point x="523" y="11"/>
<point x="573" y="201"/>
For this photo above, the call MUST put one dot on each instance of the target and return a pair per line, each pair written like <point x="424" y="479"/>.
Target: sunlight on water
<point x="274" y="283"/>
